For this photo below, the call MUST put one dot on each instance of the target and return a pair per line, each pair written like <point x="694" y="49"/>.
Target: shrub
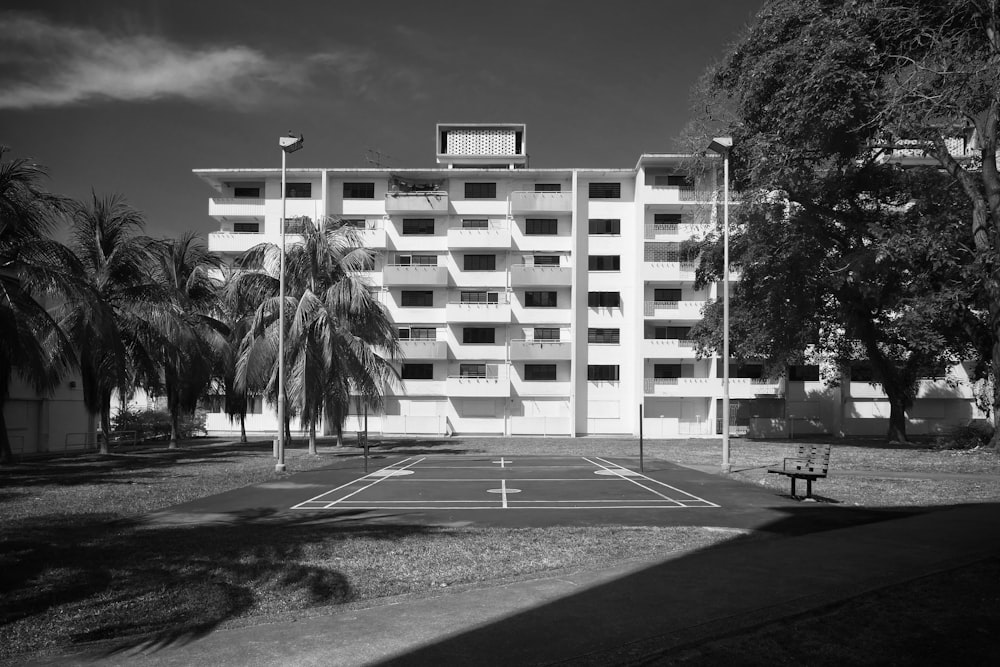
<point x="151" y="424"/>
<point x="975" y="434"/>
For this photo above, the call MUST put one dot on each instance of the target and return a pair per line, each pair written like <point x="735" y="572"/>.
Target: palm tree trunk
<point x="105" y="444"/>
<point x="243" y="428"/>
<point x="312" y="438"/>
<point x="6" y="453"/>
<point x="288" y="429"/>
<point x="340" y="435"/>
<point x="175" y="429"/>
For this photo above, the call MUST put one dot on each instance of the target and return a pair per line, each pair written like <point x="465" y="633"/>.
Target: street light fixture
<point x="288" y="144"/>
<point x="722" y="146"/>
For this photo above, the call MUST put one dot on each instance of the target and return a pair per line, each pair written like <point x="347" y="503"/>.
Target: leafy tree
<point x="824" y="86"/>
<point x="337" y="333"/>
<point x="34" y="270"/>
<point x="113" y="334"/>
<point x="192" y="340"/>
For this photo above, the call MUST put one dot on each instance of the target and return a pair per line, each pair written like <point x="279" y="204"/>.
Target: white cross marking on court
<point x="502" y="461"/>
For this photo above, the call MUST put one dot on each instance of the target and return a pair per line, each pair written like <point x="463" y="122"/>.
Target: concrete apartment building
<point x="546" y="301"/>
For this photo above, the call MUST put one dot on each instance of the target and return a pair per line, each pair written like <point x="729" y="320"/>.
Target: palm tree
<point x="340" y="339"/>
<point x="234" y="315"/>
<point x="116" y="352"/>
<point x="191" y="274"/>
<point x="32" y="267"/>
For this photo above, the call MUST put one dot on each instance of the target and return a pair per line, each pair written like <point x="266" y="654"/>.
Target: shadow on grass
<point x="81" y="579"/>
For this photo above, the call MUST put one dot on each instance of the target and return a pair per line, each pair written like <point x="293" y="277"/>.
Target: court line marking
<point x="355" y="481"/>
<point x="664" y="506"/>
<point x="503" y="492"/>
<point x="656" y="481"/>
<point x="368" y="486"/>
<point x="629" y="479"/>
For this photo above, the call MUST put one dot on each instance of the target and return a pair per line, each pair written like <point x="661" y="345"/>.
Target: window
<point x="541" y="227"/>
<point x="472" y="370"/>
<point x="662" y="371"/>
<point x="548" y="187"/>
<point x="249" y="192"/>
<point x="540" y="300"/>
<point x="480" y="190"/>
<point x="862" y="371"/>
<point x="298" y="190"/>
<point x="539" y="372"/>
<point x="546" y="333"/>
<point x="604" y="263"/>
<point x="602" y="373"/>
<point x="418" y="371"/>
<point x="418" y="226"/>
<point x="667" y="218"/>
<point x="803" y="373"/>
<point x="359" y="191"/>
<point x="480" y="263"/>
<point x="354" y="223"/>
<point x="666" y="294"/>
<point x="479" y="335"/>
<point x="605" y="190"/>
<point x="479" y="297"/>
<point x="416" y="260"/>
<point x="605" y="336"/>
<point x="246" y="227"/>
<point x="418" y="298"/>
<point x="604" y="299"/>
<point x="671" y="333"/>
<point x="752" y="371"/>
<point x="476" y="223"/>
<point x="672" y="180"/>
<point x="545" y="260"/>
<point x="601" y="226"/>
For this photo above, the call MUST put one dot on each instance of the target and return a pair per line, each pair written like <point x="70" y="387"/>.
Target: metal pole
<point x="725" y="316"/>
<point x="641" y="469"/>
<point x="280" y="465"/>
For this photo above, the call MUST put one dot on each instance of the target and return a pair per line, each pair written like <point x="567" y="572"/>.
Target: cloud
<point x="43" y="64"/>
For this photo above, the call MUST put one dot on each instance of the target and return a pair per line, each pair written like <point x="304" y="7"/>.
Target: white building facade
<point x="544" y="301"/>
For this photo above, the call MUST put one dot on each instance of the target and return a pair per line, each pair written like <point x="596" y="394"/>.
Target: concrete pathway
<point x="606" y="616"/>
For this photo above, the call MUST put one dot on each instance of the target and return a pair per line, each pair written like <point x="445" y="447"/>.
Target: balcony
<point x="425" y="203"/>
<point x="495" y="236"/>
<point x="226" y="208"/>
<point x="415" y="274"/>
<point x="494" y="384"/>
<point x="479" y="351"/>
<point x="677" y="271"/>
<point x="530" y="350"/>
<point x="668" y="231"/>
<point x="673" y="194"/>
<point x="754" y="388"/>
<point x="541" y="202"/>
<point x="673" y="310"/>
<point x="372" y="238"/>
<point x="539" y="388"/>
<point x="473" y="312"/>
<point x="233" y="242"/>
<point x="523" y="275"/>
<point x="683" y="387"/>
<point x="418" y="388"/>
<point x="423" y="349"/>
<point x="559" y="315"/>
<point x="668" y="348"/>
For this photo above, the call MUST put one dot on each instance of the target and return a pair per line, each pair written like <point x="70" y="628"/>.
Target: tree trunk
<point x="312" y="438"/>
<point x="897" y="421"/>
<point x="105" y="440"/>
<point x="243" y="428"/>
<point x="6" y="453"/>
<point x="340" y="435"/>
<point x="995" y="357"/>
<point x="175" y="429"/>
<point x="288" y="429"/>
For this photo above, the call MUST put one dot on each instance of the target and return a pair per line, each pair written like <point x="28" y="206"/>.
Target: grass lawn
<point x="75" y="565"/>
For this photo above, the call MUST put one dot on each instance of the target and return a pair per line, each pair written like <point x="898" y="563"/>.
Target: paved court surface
<point x="513" y="490"/>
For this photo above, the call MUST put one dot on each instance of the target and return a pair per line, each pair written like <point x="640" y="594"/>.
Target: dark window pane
<point x="477" y="223"/>
<point x="423" y="226"/>
<point x="607" y="336"/>
<point x="479" y="335"/>
<point x="418" y="372"/>
<point x="472" y="370"/>
<point x="604" y="263"/>
<point x="604" y="299"/>
<point x="546" y="260"/>
<point x="546" y="333"/>
<point x="480" y="190"/>
<point x="602" y="373"/>
<point x="605" y="190"/>
<point x="418" y="298"/>
<point x="479" y="297"/>
<point x="359" y="191"/>
<point x="539" y="372"/>
<point x="666" y="294"/>
<point x="666" y="370"/>
<point x="480" y="263"/>
<point x="548" y="187"/>
<point x="540" y="299"/>
<point x="298" y="190"/>
<point x="601" y="226"/>
<point x="253" y="193"/>
<point x="246" y="227"/>
<point x="541" y="227"/>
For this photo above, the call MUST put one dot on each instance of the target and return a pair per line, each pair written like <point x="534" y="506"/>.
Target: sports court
<point x="428" y="482"/>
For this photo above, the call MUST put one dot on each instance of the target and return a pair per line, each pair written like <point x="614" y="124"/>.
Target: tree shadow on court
<point x="80" y="579"/>
<point x="650" y="614"/>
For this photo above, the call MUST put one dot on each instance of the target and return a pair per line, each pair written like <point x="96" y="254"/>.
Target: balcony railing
<point x="236" y="207"/>
<point x="431" y="202"/>
<point x="673" y="309"/>
<point x="541" y="202"/>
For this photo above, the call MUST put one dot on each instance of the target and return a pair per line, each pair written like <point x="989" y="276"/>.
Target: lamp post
<point x="288" y="144"/>
<point x="722" y="146"/>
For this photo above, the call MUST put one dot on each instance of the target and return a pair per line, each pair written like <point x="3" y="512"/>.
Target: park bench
<point x="810" y="462"/>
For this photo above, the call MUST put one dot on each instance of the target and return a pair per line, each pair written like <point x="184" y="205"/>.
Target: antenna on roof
<point x="377" y="158"/>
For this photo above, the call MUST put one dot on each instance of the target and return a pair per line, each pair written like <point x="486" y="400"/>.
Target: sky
<point x="128" y="97"/>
